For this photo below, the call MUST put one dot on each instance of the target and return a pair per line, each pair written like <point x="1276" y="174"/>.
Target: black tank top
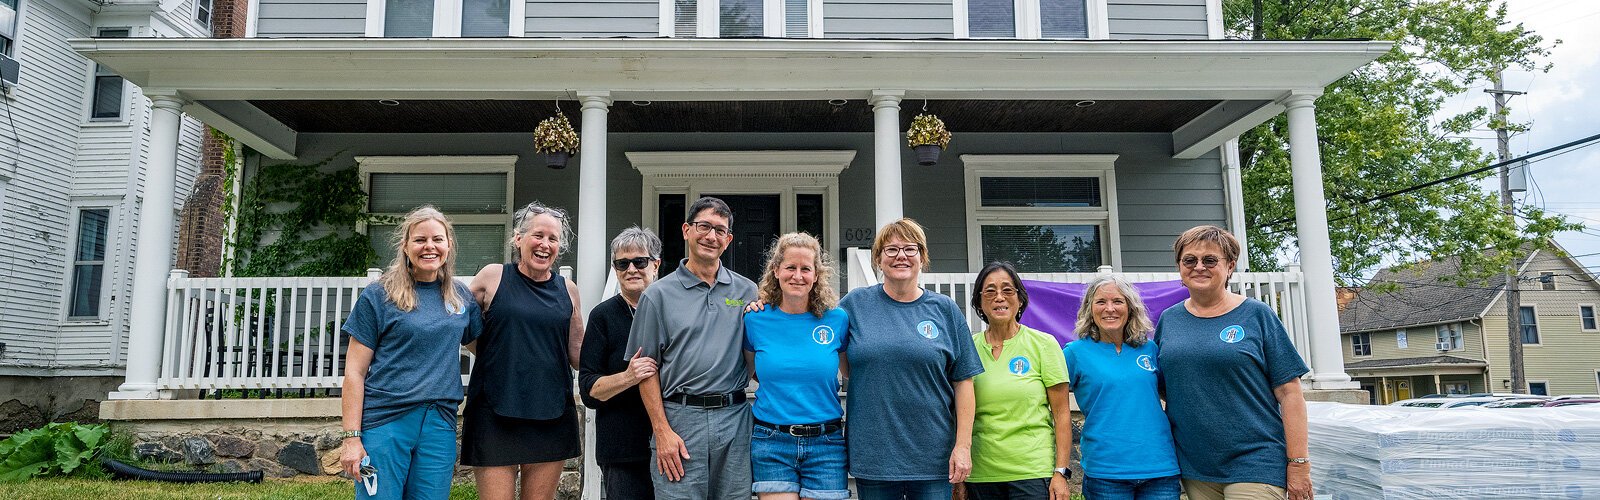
<point x="523" y="370"/>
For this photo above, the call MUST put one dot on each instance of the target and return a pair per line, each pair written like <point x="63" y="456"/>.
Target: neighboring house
<point x="1430" y="335"/>
<point x="74" y="149"/>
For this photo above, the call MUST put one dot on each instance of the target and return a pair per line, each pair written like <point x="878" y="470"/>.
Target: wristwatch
<point x="1299" y="460"/>
<point x="1064" y="472"/>
<point x="349" y="434"/>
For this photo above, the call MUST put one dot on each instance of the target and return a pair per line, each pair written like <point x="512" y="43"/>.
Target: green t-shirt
<point x="1012" y="435"/>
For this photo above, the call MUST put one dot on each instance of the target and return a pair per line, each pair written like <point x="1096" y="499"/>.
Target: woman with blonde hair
<point x="402" y="379"/>
<point x="1127" y="444"/>
<point x="796" y="348"/>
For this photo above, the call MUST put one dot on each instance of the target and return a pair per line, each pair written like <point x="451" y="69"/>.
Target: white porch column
<point x="1316" y="254"/>
<point x="153" y="252"/>
<point x="886" y="160"/>
<point x="594" y="252"/>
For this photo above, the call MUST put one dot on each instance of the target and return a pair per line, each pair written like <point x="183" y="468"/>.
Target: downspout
<point x="1483" y="348"/>
<point x="1233" y="191"/>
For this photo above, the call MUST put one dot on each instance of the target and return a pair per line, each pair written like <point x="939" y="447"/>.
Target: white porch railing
<point x="261" y="333"/>
<point x="1282" y="291"/>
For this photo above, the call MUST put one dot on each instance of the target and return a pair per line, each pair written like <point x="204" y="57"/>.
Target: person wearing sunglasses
<point x="608" y="375"/>
<point x="691" y="323"/>
<point x="1022" y="399"/>
<point x="796" y="348"/>
<point x="520" y="423"/>
<point x="402" y="372"/>
<point x="1232" y="381"/>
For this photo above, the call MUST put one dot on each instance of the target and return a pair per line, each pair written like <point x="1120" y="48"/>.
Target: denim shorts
<point x="814" y="467"/>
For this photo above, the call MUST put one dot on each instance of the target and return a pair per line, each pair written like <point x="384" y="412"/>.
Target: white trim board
<point x="1098" y="166"/>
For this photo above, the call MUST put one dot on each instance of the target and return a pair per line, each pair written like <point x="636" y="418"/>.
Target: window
<point x="105" y="99"/>
<point x="475" y="191"/>
<point x="1027" y="19"/>
<point x="8" y="26"/>
<point x="88" y="264"/>
<point x="1400" y="339"/>
<point x="202" y="12"/>
<point x="1539" y="388"/>
<point x="1530" y="325"/>
<point x="1447" y="337"/>
<point x="1547" y="281"/>
<point x="1457" y="388"/>
<point x="1586" y="318"/>
<point x="1361" y="344"/>
<point x="1043" y="213"/>
<point x="445" y="18"/>
<point x="740" y="18"/>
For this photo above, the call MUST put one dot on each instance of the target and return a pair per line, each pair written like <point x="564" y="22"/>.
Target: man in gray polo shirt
<point x="691" y="322"/>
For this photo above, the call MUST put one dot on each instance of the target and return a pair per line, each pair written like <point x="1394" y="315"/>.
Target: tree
<point x="1382" y="128"/>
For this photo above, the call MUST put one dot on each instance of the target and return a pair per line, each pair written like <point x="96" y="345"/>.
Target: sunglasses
<point x="1208" y="262"/>
<point x="369" y="476"/>
<point x="639" y="263"/>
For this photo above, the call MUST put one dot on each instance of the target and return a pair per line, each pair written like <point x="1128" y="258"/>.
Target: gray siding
<point x="311" y="18"/>
<point x="887" y="19"/>
<point x="1156" y="19"/>
<point x="593" y="18"/>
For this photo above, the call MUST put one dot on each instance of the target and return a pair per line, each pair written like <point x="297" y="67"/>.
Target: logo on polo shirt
<point x="927" y="329"/>
<point x="822" y="334"/>
<point x="1145" y="363"/>
<point x="733" y="302"/>
<point x="1232" y="334"/>
<point x="1019" y="365"/>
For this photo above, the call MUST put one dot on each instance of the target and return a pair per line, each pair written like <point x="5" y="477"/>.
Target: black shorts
<point x="492" y="440"/>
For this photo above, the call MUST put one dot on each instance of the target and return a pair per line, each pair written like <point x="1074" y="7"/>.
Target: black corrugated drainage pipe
<point x="121" y="470"/>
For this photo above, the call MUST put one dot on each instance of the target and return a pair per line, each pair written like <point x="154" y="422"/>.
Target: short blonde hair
<point x="905" y="229"/>
<point x="1208" y="233"/>
<point x="823" y="298"/>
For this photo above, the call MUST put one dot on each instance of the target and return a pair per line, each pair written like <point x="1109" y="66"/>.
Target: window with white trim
<point x="107" y="91"/>
<point x="1586" y="317"/>
<point x="1361" y="344"/>
<point x="1042" y="213"/>
<point x="741" y="18"/>
<point x="1547" y="281"/>
<point x="1026" y="19"/>
<point x="445" y="18"/>
<point x="474" y="191"/>
<point x="89" y="264"/>
<point x="1530" y="325"/>
<point x="1400" y="339"/>
<point x="202" y="12"/>
<point x="8" y="26"/>
<point x="1540" y="388"/>
<point x="1447" y="337"/>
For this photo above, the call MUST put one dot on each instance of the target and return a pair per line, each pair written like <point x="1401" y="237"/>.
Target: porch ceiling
<point x="967" y="116"/>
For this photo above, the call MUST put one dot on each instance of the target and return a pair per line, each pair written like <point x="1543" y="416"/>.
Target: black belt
<point x="803" y="430"/>
<point x="707" y="400"/>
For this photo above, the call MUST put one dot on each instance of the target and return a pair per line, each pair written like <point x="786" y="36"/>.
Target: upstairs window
<point x="8" y="26"/>
<point x="473" y="190"/>
<point x="1586" y="318"/>
<point x="1361" y="344"/>
<point x="202" y="12"/>
<point x="1530" y="325"/>
<point x="740" y="18"/>
<point x="1400" y="339"/>
<point x="1023" y="19"/>
<point x="1043" y="213"/>
<point x="1547" y="281"/>
<point x="1447" y="337"/>
<point x="444" y="18"/>
<point x="105" y="98"/>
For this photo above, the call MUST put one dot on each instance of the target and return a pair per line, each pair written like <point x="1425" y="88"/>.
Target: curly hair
<point x="823" y="296"/>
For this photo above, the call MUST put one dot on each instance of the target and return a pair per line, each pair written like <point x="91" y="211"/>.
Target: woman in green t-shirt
<point x="1021" y="398"/>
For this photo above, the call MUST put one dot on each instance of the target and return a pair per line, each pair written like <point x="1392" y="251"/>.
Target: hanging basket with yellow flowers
<point x="928" y="137"/>
<point x="556" y="139"/>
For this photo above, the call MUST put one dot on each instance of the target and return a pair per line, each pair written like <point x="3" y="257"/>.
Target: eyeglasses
<point x="639" y="263"/>
<point x="908" y="251"/>
<point x="1209" y="262"/>
<point x="703" y="227"/>
<point x="989" y="293"/>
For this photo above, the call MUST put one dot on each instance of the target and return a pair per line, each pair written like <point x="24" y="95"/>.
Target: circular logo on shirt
<point x="822" y="334"/>
<point x="453" y="310"/>
<point x="1145" y="363"/>
<point x="1019" y="365"/>
<point x="927" y="329"/>
<point x="1232" y="334"/>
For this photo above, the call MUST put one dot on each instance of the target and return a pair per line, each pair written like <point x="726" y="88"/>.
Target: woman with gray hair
<point x="520" y="419"/>
<point x="1127" y="443"/>
<point x="608" y="375"/>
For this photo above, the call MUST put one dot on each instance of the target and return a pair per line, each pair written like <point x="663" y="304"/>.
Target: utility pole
<point x="1519" y="379"/>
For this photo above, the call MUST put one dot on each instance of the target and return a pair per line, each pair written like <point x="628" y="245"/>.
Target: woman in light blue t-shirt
<point x="1127" y="443"/>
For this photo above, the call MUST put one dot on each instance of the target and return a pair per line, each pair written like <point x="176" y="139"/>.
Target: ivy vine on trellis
<point x="300" y="220"/>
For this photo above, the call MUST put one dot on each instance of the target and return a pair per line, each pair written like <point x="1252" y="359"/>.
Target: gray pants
<point x="718" y="441"/>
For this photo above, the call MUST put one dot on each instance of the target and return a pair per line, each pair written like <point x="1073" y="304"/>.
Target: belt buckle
<point x="802" y="431"/>
<point x="719" y="400"/>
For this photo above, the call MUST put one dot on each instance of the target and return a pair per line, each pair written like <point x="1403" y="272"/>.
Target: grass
<point x="282" y="489"/>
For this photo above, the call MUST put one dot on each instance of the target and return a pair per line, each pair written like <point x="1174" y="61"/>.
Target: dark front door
<point x="756" y="224"/>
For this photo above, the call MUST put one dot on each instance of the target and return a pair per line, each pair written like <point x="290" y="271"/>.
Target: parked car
<point x="1448" y="402"/>
<point x="1516" y="403"/>
<point x="1571" y="402"/>
<point x="1576" y="396"/>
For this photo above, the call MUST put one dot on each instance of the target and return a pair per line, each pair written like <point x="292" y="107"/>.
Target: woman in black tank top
<point x="520" y="419"/>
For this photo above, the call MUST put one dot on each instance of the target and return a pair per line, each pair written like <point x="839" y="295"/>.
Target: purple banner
<point x="1053" y="307"/>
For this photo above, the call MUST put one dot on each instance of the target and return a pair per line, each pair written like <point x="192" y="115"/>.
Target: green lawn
<point x="85" y="489"/>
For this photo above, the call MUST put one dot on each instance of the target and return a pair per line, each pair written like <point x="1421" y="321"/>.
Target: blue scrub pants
<point x="415" y="455"/>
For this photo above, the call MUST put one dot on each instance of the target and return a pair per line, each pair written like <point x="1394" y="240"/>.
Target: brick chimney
<point x="201" y="226"/>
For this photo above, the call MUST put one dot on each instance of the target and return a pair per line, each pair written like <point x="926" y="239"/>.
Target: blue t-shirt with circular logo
<point x="797" y="364"/>
<point x="1125" y="432"/>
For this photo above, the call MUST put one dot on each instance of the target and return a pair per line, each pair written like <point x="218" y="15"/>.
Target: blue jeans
<point x="415" y="455"/>
<point x="1157" y="488"/>
<point x="811" y="466"/>
<point x="903" y="490"/>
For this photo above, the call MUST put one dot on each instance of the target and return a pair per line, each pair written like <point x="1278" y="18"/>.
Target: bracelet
<point x="1299" y="460"/>
<point x="349" y="434"/>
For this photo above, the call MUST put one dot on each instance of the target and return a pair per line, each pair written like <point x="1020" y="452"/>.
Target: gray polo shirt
<point x="694" y="331"/>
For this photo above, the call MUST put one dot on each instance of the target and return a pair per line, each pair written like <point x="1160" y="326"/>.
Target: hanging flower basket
<point x="927" y="136"/>
<point x="556" y="139"/>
